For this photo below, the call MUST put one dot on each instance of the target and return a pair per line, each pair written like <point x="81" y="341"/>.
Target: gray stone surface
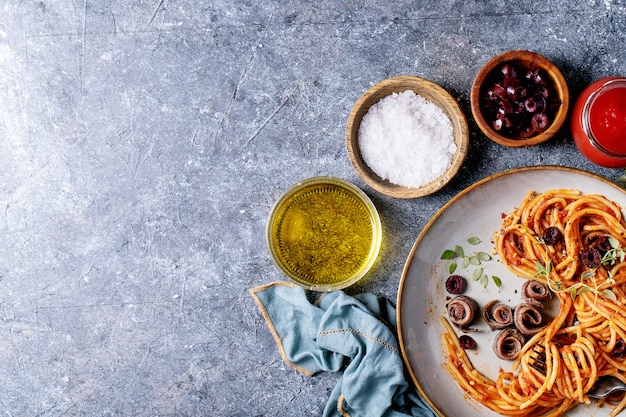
<point x="143" y="143"/>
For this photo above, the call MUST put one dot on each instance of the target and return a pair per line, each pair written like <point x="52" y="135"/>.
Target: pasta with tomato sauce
<point x="585" y="269"/>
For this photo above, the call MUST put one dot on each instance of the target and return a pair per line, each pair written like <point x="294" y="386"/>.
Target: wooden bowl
<point x="522" y="59"/>
<point x="431" y="92"/>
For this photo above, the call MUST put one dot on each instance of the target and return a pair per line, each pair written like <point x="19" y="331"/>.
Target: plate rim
<point x="429" y="224"/>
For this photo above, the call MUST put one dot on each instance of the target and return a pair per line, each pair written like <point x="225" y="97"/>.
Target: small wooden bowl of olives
<point x="519" y="98"/>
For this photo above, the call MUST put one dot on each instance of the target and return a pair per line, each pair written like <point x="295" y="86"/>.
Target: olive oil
<point x="324" y="234"/>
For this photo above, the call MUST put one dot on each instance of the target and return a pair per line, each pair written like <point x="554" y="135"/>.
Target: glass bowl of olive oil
<point x="324" y="233"/>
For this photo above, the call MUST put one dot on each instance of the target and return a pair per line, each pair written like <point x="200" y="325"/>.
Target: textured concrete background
<point x="143" y="143"/>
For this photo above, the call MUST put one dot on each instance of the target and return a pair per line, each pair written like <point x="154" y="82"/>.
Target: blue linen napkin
<point x="356" y="334"/>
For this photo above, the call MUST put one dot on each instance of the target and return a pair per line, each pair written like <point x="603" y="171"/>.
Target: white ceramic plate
<point x="475" y="212"/>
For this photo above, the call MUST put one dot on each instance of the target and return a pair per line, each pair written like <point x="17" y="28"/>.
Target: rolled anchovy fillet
<point x="497" y="315"/>
<point x="528" y="319"/>
<point x="535" y="292"/>
<point x="462" y="310"/>
<point x="508" y="343"/>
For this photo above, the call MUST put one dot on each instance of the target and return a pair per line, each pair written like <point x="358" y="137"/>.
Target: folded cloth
<point x="356" y="334"/>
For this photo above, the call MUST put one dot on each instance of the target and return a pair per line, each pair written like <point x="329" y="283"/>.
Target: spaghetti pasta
<point x="587" y="338"/>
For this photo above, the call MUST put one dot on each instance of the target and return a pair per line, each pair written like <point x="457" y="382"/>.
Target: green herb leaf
<point x="613" y="242"/>
<point x="474" y="260"/>
<point x="497" y="281"/>
<point x="609" y="294"/>
<point x="465" y="263"/>
<point x="448" y="254"/>
<point x="478" y="272"/>
<point x="452" y="267"/>
<point x="484" y="280"/>
<point x="473" y="240"/>
<point x="483" y="256"/>
<point x="587" y="275"/>
<point x="610" y="279"/>
<point x="541" y="270"/>
<point x="573" y="292"/>
<point x="459" y="251"/>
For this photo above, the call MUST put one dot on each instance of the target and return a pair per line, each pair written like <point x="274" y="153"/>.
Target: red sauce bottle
<point x="598" y="122"/>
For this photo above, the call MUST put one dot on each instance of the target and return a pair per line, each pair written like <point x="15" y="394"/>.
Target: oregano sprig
<point x="610" y="257"/>
<point x="615" y="253"/>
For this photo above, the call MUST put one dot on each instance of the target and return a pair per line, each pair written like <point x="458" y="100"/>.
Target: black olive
<point x="508" y="70"/>
<point x="466" y="342"/>
<point x="540" y="122"/>
<point x="590" y="257"/>
<point x="456" y="284"/>
<point x="552" y="235"/>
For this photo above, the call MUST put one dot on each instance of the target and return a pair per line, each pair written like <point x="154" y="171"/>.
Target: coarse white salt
<point x="407" y="139"/>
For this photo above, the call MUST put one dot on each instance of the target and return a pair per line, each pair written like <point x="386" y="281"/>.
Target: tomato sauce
<point x="599" y="122"/>
<point x="607" y="116"/>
